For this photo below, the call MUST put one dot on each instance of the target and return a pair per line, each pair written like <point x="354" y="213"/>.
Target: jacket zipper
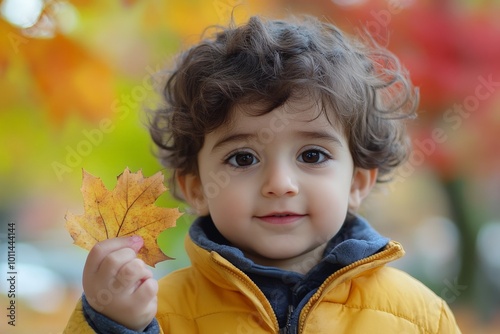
<point x="305" y="310"/>
<point x="287" y="329"/>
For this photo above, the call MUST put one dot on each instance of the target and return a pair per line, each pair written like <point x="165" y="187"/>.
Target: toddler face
<point x="278" y="186"/>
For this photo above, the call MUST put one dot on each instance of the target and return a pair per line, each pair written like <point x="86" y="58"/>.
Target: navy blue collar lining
<point x="355" y="240"/>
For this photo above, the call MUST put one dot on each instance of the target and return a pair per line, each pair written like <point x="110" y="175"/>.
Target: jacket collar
<point x="355" y="249"/>
<point x="284" y="289"/>
<point x="355" y="240"/>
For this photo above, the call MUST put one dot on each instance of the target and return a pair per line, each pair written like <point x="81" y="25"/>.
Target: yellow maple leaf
<point x="127" y="210"/>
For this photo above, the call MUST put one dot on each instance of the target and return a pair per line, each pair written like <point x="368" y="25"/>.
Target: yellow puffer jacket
<point x="213" y="296"/>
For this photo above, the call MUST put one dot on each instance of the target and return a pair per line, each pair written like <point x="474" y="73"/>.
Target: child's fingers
<point x="114" y="261"/>
<point x="133" y="274"/>
<point x="146" y="297"/>
<point x="102" y="249"/>
<point x="147" y="291"/>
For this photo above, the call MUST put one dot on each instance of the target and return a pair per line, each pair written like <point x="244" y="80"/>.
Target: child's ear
<point x="192" y="190"/>
<point x="363" y="181"/>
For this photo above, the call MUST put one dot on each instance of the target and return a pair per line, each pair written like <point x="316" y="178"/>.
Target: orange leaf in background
<point x="125" y="211"/>
<point x="6" y="46"/>
<point x="10" y="44"/>
<point x="69" y="78"/>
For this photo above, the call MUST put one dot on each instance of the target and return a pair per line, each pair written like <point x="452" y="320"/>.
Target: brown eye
<point x="313" y="157"/>
<point x="310" y="156"/>
<point x="242" y="159"/>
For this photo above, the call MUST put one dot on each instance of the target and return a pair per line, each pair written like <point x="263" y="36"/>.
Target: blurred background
<point x="75" y="77"/>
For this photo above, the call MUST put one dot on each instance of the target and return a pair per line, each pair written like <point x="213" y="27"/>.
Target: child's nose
<point x="279" y="180"/>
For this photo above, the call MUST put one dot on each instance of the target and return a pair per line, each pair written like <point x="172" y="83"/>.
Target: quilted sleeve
<point x="77" y="323"/>
<point x="447" y="323"/>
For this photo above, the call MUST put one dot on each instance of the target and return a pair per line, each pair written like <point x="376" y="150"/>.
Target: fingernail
<point x="136" y="243"/>
<point x="135" y="239"/>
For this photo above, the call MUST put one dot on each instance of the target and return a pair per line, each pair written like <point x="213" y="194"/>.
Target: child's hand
<point x="119" y="285"/>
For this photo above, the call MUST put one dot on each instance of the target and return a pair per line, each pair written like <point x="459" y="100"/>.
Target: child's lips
<point x="281" y="218"/>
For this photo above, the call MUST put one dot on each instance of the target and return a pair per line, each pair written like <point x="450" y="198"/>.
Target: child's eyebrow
<point x="237" y="137"/>
<point x="323" y="135"/>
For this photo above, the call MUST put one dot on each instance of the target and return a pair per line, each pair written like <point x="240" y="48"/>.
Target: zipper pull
<point x="286" y="329"/>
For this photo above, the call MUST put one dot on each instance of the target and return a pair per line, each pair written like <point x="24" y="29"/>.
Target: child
<point x="276" y="131"/>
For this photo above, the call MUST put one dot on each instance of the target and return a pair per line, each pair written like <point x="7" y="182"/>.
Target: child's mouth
<point x="281" y="218"/>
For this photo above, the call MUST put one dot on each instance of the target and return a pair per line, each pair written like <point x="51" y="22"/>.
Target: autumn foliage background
<point x="75" y="80"/>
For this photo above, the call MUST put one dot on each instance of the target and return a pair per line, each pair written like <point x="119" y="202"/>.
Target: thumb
<point x="103" y="248"/>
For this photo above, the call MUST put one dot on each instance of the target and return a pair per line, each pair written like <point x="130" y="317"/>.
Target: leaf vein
<point x="100" y="215"/>
<point x="131" y="205"/>
<point x="142" y="227"/>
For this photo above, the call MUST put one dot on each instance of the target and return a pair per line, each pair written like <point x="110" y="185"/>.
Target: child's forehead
<point x="295" y="111"/>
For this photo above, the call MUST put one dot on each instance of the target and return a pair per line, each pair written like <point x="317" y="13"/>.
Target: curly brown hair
<point x="358" y="84"/>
